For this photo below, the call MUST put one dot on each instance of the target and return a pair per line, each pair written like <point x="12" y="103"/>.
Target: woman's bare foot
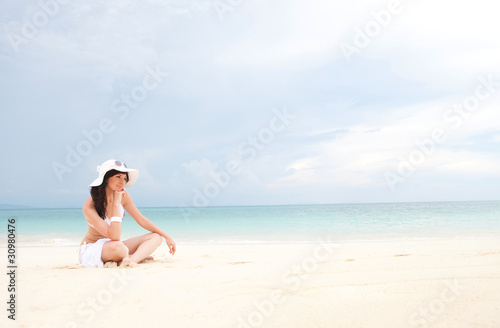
<point x="110" y="264"/>
<point x="126" y="262"/>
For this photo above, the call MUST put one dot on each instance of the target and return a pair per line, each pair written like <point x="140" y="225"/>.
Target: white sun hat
<point x="112" y="164"/>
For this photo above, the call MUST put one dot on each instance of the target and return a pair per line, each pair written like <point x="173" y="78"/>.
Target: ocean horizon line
<point x="27" y="207"/>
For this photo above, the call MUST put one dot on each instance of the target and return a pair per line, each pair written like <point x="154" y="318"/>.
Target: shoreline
<point x="61" y="242"/>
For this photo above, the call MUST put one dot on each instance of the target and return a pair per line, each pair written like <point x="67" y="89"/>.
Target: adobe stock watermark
<point x="456" y="116"/>
<point x="248" y="150"/>
<point x="223" y="7"/>
<point x="364" y="36"/>
<point x="30" y="28"/>
<point x="88" y="310"/>
<point x="292" y="281"/>
<point x="122" y="107"/>
<point x="427" y="315"/>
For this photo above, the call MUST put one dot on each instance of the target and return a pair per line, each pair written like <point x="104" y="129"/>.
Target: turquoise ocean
<point x="274" y="224"/>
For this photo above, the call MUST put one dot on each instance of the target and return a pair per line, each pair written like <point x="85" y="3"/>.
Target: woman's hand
<point x="117" y="197"/>
<point x="171" y="245"/>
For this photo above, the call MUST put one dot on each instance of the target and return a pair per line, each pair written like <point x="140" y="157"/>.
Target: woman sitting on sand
<point x="104" y="212"/>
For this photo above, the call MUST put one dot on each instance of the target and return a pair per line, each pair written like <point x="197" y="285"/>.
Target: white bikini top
<point x="107" y="220"/>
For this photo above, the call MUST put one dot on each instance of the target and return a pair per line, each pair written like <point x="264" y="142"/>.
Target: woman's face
<point x="117" y="182"/>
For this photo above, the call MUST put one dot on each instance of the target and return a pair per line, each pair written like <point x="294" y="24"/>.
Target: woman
<point x="104" y="212"/>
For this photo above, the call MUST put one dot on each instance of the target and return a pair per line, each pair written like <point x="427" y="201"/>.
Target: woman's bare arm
<point x="112" y="231"/>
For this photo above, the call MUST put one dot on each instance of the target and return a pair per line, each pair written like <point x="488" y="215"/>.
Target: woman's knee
<point x="156" y="238"/>
<point x="118" y="249"/>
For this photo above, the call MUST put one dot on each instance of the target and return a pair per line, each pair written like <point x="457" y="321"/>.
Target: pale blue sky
<point x="181" y="88"/>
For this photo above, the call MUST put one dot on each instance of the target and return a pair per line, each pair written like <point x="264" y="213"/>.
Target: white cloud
<point x="467" y="164"/>
<point x="362" y="154"/>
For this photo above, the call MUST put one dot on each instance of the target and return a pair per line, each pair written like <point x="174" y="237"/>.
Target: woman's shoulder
<point x="126" y="197"/>
<point x="89" y="204"/>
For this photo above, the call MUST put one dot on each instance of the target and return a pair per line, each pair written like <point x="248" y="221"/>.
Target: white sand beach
<point x="442" y="283"/>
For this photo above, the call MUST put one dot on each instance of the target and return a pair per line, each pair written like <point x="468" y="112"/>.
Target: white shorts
<point x="90" y="254"/>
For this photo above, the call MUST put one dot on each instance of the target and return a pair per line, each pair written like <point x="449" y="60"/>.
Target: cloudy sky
<point x="238" y="102"/>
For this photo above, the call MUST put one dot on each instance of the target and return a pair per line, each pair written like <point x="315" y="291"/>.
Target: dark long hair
<point x="99" y="193"/>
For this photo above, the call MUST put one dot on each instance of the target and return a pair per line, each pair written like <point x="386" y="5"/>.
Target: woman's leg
<point x="114" y="251"/>
<point x="142" y="246"/>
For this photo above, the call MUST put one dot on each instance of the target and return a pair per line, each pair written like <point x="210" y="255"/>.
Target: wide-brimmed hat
<point x="112" y="164"/>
